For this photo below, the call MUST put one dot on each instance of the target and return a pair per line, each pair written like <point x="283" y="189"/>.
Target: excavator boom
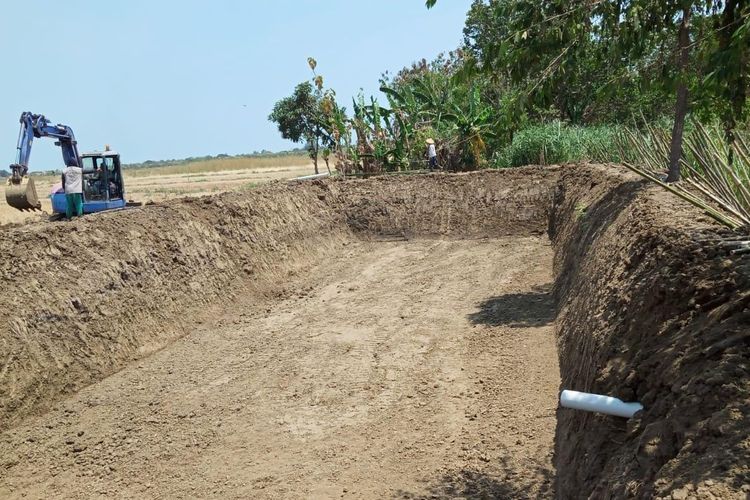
<point x="20" y="192"/>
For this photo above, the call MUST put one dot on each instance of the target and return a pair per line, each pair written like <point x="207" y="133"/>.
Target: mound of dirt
<point x="652" y="309"/>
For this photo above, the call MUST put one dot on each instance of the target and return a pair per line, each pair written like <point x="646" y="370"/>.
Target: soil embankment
<point x="652" y="309"/>
<point x="81" y="299"/>
<point x="342" y="333"/>
<point x="486" y="204"/>
<point x="84" y="298"/>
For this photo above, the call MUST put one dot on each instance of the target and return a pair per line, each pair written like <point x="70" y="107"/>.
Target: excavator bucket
<point x="22" y="194"/>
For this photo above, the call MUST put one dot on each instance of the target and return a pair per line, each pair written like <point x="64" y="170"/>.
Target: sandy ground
<point x="162" y="187"/>
<point x="400" y="369"/>
<point x="144" y="188"/>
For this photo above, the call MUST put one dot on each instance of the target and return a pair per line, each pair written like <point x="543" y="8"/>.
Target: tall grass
<point x="559" y="143"/>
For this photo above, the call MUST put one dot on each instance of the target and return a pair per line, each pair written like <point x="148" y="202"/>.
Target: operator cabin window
<point x="113" y="178"/>
<point x="94" y="185"/>
<point x="100" y="179"/>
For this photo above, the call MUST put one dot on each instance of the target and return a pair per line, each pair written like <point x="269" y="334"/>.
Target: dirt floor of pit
<point x="399" y="369"/>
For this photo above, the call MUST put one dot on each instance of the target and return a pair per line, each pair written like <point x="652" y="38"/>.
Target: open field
<point x="394" y="337"/>
<point x="223" y="165"/>
<point x="190" y="179"/>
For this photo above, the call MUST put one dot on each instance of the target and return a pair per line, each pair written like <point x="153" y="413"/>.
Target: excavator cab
<point x="102" y="179"/>
<point x="103" y="187"/>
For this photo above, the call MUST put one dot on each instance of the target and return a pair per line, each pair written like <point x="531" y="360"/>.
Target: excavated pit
<point x="641" y="303"/>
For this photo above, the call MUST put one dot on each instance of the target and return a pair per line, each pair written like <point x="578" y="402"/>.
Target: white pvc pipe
<point x="598" y="403"/>
<point x="311" y="177"/>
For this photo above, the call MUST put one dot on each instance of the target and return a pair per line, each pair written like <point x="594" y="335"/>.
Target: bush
<point x="559" y="143"/>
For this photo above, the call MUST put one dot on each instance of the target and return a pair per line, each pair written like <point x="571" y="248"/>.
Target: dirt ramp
<point x="652" y="309"/>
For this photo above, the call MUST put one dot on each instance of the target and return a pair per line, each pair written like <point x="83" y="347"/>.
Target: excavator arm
<point x="20" y="192"/>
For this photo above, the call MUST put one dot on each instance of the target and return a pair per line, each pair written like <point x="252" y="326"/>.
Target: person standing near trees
<point x="431" y="154"/>
<point x="72" y="181"/>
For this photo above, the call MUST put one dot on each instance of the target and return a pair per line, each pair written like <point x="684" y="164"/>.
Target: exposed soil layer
<point x="316" y="360"/>
<point x="652" y="309"/>
<point x="83" y="298"/>
<point x="486" y="204"/>
<point x="342" y="387"/>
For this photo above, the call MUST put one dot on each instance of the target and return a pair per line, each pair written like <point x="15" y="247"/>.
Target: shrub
<point x="559" y="143"/>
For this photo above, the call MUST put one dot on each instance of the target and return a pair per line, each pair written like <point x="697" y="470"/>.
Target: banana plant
<point x="384" y="141"/>
<point x="475" y="124"/>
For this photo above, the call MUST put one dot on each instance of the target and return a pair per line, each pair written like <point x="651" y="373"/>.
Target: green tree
<point x="728" y="58"/>
<point x="581" y="87"/>
<point x="549" y="46"/>
<point x="428" y="100"/>
<point x="300" y="118"/>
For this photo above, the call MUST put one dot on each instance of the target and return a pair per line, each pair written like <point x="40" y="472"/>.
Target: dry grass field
<point x="189" y="179"/>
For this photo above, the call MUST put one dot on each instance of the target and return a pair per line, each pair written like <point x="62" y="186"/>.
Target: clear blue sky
<point x="172" y="79"/>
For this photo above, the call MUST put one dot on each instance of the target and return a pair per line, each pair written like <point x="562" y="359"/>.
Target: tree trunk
<point x="736" y="80"/>
<point x="729" y="138"/>
<point x="681" y="108"/>
<point x="314" y="149"/>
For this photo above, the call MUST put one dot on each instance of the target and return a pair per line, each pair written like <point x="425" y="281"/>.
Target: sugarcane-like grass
<point x="710" y="180"/>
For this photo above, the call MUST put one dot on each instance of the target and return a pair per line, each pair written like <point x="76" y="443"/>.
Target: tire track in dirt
<point x="401" y="369"/>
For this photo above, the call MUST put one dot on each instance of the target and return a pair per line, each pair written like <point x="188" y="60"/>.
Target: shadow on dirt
<point x="468" y="483"/>
<point x="533" y="308"/>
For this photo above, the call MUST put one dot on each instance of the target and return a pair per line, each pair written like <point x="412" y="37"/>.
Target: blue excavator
<point x="103" y="185"/>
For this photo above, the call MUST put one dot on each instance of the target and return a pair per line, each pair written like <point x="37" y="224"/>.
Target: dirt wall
<point x="472" y="205"/>
<point x="652" y="309"/>
<point x="81" y="299"/>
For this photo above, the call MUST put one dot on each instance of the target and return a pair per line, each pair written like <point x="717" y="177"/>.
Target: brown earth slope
<point x="400" y="369"/>
<point x="81" y="299"/>
<point x="308" y="343"/>
<point x="652" y="309"/>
